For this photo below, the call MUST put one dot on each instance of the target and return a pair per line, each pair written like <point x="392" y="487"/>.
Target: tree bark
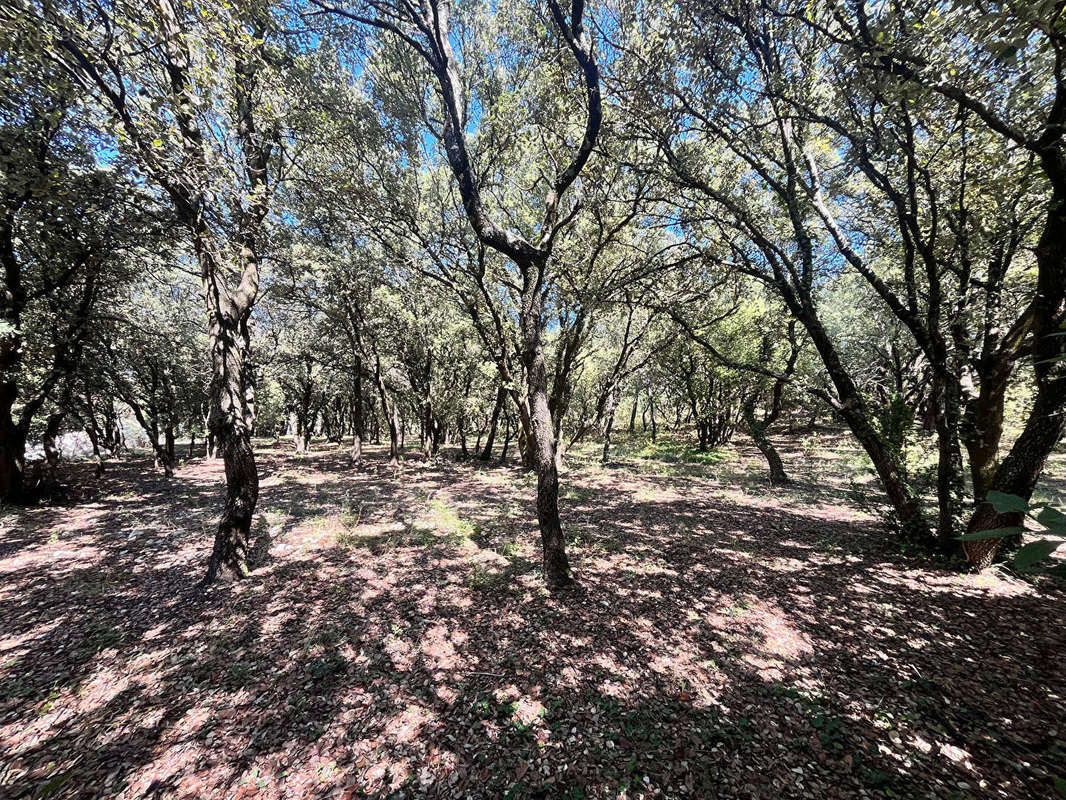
<point x="501" y="398"/>
<point x="230" y="421"/>
<point x="358" y="430"/>
<point x="555" y="563"/>
<point x="388" y="410"/>
<point x="757" y="430"/>
<point x="608" y="425"/>
<point x="1023" y="465"/>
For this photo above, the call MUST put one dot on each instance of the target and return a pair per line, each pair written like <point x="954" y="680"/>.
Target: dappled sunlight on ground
<point x="725" y="641"/>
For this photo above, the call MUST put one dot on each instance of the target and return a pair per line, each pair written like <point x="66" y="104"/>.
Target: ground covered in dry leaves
<point x="726" y="640"/>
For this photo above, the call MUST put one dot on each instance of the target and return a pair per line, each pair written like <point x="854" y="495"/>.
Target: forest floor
<point x="394" y="639"/>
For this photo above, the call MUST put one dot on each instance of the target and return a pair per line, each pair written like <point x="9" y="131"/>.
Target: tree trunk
<point x="1021" y="469"/>
<point x="358" y="431"/>
<point x="51" y="449"/>
<point x="556" y="565"/>
<point x="390" y="414"/>
<point x="12" y="458"/>
<point x="608" y="425"/>
<point x="168" y="439"/>
<point x="983" y="428"/>
<point x="501" y="398"/>
<point x="1017" y="475"/>
<point x="757" y="431"/>
<point x="12" y="440"/>
<point x="94" y="439"/>
<point x="506" y="437"/>
<point x="230" y="421"/>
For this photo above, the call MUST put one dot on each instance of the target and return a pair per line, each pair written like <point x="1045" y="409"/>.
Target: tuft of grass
<point x="445" y="520"/>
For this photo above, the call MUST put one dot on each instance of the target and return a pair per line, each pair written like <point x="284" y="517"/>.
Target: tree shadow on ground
<point x="397" y="642"/>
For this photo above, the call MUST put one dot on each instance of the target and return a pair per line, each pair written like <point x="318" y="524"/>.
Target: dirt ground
<point x="725" y="640"/>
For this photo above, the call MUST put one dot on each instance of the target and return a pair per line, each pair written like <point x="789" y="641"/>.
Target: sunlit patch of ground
<point x="726" y="639"/>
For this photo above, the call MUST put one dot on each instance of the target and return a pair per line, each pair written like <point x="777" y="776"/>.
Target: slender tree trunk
<point x="947" y="401"/>
<point x="358" y="431"/>
<point x="556" y="565"/>
<point x="501" y="398"/>
<point x="429" y="435"/>
<point x="168" y="439"/>
<point x="608" y="425"/>
<point x="94" y="439"/>
<point x="757" y="431"/>
<point x="390" y="414"/>
<point x="51" y="448"/>
<point x="633" y="411"/>
<point x="506" y="437"/>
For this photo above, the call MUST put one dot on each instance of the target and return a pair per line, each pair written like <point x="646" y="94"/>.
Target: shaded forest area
<point x="532" y="399"/>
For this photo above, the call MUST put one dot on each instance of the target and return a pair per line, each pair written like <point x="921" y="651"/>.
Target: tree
<point x="427" y="32"/>
<point x="205" y="87"/>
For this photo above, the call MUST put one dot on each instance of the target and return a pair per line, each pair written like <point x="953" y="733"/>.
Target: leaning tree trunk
<point x="231" y="424"/>
<point x="757" y="431"/>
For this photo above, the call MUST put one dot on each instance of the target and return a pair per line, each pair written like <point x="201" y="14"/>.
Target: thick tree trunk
<point x="12" y="440"/>
<point x="1021" y="469"/>
<point x="983" y="428"/>
<point x="1019" y="473"/>
<point x="230" y="421"/>
<point x="556" y="566"/>
<point x="12" y="458"/>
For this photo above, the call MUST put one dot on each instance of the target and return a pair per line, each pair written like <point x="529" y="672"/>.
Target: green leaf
<point x="157" y="142"/>
<point x="53" y="785"/>
<point x="1006" y="503"/>
<point x="1052" y="519"/>
<point x="995" y="533"/>
<point x="1035" y="551"/>
<point x="1060" y="785"/>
